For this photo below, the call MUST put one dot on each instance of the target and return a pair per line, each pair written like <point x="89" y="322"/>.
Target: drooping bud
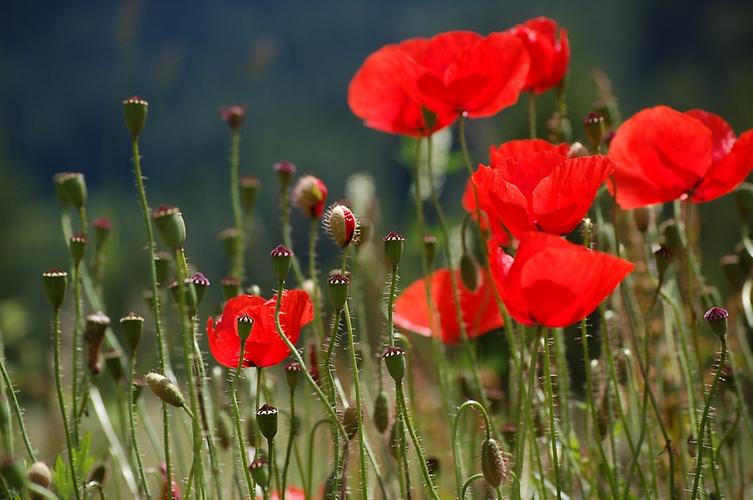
<point x="381" y="413"/>
<point x="594" y="124"/>
<point x="469" y="271"/>
<point x="162" y="265"/>
<point x="200" y="285"/>
<point x="231" y="287"/>
<point x="94" y="334"/>
<point x="40" y="474"/>
<point x="102" y="227"/>
<point x="284" y="171"/>
<point x="341" y="224"/>
<point x="163" y="388"/>
<point x="339" y="285"/>
<point x="349" y="420"/>
<point x="135" y="110"/>
<point x="77" y="248"/>
<point x="293" y="372"/>
<point x="233" y="115"/>
<point x="249" y="192"/>
<point x="577" y="150"/>
<point x="171" y="226"/>
<point x="744" y="200"/>
<point x="132" y="326"/>
<point x="643" y="217"/>
<point x="494" y="465"/>
<point x="394" y="439"/>
<point x="231" y="242"/>
<point x="245" y="324"/>
<point x="309" y="194"/>
<point x="266" y="418"/>
<point x="663" y="256"/>
<point x="281" y="260"/>
<point x="717" y="319"/>
<point x="55" y="282"/>
<point x="260" y="471"/>
<point x="393" y="247"/>
<point x="672" y="233"/>
<point x="430" y="249"/>
<point x="71" y="188"/>
<point x="394" y="358"/>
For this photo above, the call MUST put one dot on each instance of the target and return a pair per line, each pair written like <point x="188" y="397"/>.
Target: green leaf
<point x="83" y="461"/>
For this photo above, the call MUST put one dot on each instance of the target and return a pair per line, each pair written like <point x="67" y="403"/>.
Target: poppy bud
<point x="55" y="282"/>
<point x="164" y="389"/>
<point x="309" y="194"/>
<point x="266" y="418"/>
<point x="254" y="290"/>
<point x="260" y="471"/>
<point x="223" y="426"/>
<point x="162" y="265"/>
<point x="249" y="191"/>
<point x="433" y="465"/>
<point x="185" y="293"/>
<point x="40" y="474"/>
<point x="594" y="124"/>
<point x="200" y="285"/>
<point x="670" y="229"/>
<point x="577" y="150"/>
<point x="284" y="171"/>
<point x="643" y="218"/>
<point x="132" y="326"/>
<point x="381" y="413"/>
<point x="341" y="224"/>
<point x="77" y="247"/>
<point x="102" y="227"/>
<point x="430" y="249"/>
<point x="393" y="247"/>
<point x="231" y="287"/>
<point x="717" y="319"/>
<point x="493" y="463"/>
<point x="394" y="358"/>
<point x="233" y="115"/>
<point x="338" y="290"/>
<point x="12" y="472"/>
<point x="663" y="256"/>
<point x="135" y="110"/>
<point x="231" y="241"/>
<point x="730" y="264"/>
<point x="744" y="200"/>
<point x="281" y="258"/>
<point x="171" y="226"/>
<point x="71" y="188"/>
<point x="469" y="272"/>
<point x="94" y="333"/>
<point x="293" y="372"/>
<point x="245" y="324"/>
<point x="350" y="421"/>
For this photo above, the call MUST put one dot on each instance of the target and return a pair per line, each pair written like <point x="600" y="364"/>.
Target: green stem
<point x="358" y="404"/>
<point x="400" y="395"/>
<point x="132" y="425"/>
<point x="313" y="275"/>
<point x="551" y="411"/>
<point x="78" y="304"/>
<point x="467" y="484"/>
<point x="237" y="267"/>
<point x="456" y="442"/>
<point x="287" y="231"/>
<point x="289" y="448"/>
<point x="17" y="410"/>
<point x="237" y="419"/>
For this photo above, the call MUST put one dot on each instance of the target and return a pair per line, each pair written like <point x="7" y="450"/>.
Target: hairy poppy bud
<point x="94" y="333"/>
<point x="350" y="421"/>
<point x="338" y="290"/>
<point x="744" y="200"/>
<point x="163" y="388"/>
<point x="13" y="474"/>
<point x="135" y="110"/>
<point x="293" y="371"/>
<point x="594" y="124"/>
<point x="102" y="227"/>
<point x="284" y="171"/>
<point x="132" y="326"/>
<point x="77" y="247"/>
<point x="281" y="259"/>
<point x="663" y="256"/>
<point x="233" y="115"/>
<point x="394" y="358"/>
<point x="231" y="287"/>
<point x="260" y="471"/>
<point x="245" y="324"/>
<point x="393" y="247"/>
<point x="493" y="463"/>
<point x="381" y="413"/>
<point x="200" y="285"/>
<point x="55" y="282"/>
<point x="395" y="439"/>
<point x="341" y="224"/>
<point x="231" y="241"/>
<point x="40" y="474"/>
<point x="249" y="192"/>
<point x="430" y="249"/>
<point x="162" y="265"/>
<point x="171" y="226"/>
<point x="469" y="272"/>
<point x="71" y="188"/>
<point x="266" y="418"/>
<point x="670" y="229"/>
<point x="717" y="319"/>
<point x="309" y="194"/>
<point x="643" y="218"/>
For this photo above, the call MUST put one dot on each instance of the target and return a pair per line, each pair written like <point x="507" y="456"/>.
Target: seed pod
<point x="381" y="413"/>
<point x="260" y="471"/>
<point x="13" y="474"/>
<point x="663" y="256"/>
<point x="249" y="193"/>
<point x="254" y="290"/>
<point x="102" y="227"/>
<point x="730" y="265"/>
<point x="94" y="334"/>
<point x="469" y="272"/>
<point x="231" y="287"/>
<point x="244" y="325"/>
<point x="266" y="418"/>
<point x="55" y="282"/>
<point x="494" y="466"/>
<point x="233" y="115"/>
<point x="394" y="358"/>
<point x="281" y="259"/>
<point x="717" y="320"/>
<point x="135" y="110"/>
<point x="393" y="247"/>
<point x="670" y="229"/>
<point x="71" y="188"/>
<point x="293" y="372"/>
<point x="594" y="124"/>
<point x="350" y="421"/>
<point x="643" y="218"/>
<point x="200" y="285"/>
<point x="162" y="265"/>
<point x="433" y="464"/>
<point x="577" y="150"/>
<point x="284" y="171"/>
<point x="338" y="290"/>
<point x="430" y="249"/>
<point x="231" y="242"/>
<point x="98" y="474"/>
<point x="164" y="389"/>
<point x="170" y="225"/>
<point x="77" y="248"/>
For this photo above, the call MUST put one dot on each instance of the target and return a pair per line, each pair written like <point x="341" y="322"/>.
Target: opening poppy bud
<point x="13" y="474"/>
<point x="493" y="463"/>
<point x="55" y="282"/>
<point x="281" y="257"/>
<point x="284" y="171"/>
<point x="94" y="333"/>
<point x="430" y="249"/>
<point x="171" y="226"/>
<point x="266" y="418"/>
<point x="231" y="287"/>
<point x="730" y="264"/>
<point x="381" y="413"/>
<point x="260" y="471"/>
<point x="594" y="124"/>
<point x="338" y="290"/>
<point x="394" y="358"/>
<point x="663" y="256"/>
<point x="341" y="224"/>
<point x="132" y="326"/>
<point x="233" y="115"/>
<point x="393" y="247"/>
<point x="162" y="265"/>
<point x="245" y="324"/>
<point x="577" y="150"/>
<point x="231" y="241"/>
<point x="293" y="371"/>
<point x="643" y="218"/>
<point x="744" y="200"/>
<point x="309" y="194"/>
<point x="350" y="421"/>
<point x="200" y="285"/>
<point x="40" y="474"/>
<point x="102" y="227"/>
<point x="77" y="247"/>
<point x="670" y="229"/>
<point x="469" y="272"/>
<point x="135" y="110"/>
<point x="717" y="319"/>
<point x="249" y="192"/>
<point x="71" y="188"/>
<point x="164" y="389"/>
<point x="433" y="465"/>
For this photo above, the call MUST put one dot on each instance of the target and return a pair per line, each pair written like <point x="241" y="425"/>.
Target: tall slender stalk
<point x="237" y="420"/>
<point x="17" y="410"/>
<point x="132" y="426"/>
<point x="552" y="416"/>
<point x="239" y="260"/>
<point x="76" y="341"/>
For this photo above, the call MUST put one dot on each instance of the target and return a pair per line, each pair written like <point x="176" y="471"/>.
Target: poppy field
<point x="561" y="338"/>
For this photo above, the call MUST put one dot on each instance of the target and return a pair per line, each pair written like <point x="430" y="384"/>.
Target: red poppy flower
<point x="309" y="194"/>
<point x="480" y="313"/>
<point x="533" y="185"/>
<point x="662" y="154"/>
<point x="553" y="282"/>
<point x="264" y="347"/>
<point x="549" y="48"/>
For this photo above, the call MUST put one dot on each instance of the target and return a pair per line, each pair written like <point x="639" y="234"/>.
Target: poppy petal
<point x="523" y="147"/>
<point x="502" y="200"/>
<point x="725" y="176"/>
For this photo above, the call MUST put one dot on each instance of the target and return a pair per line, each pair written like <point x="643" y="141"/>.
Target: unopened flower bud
<point x="13" y="474"/>
<point x="394" y="358"/>
<point x="281" y="259"/>
<point x="394" y="440"/>
<point x="293" y="372"/>
<point x="717" y="319"/>
<point x="594" y="124"/>
<point x="260" y="471"/>
<point x="430" y="249"/>
<point x="231" y="242"/>
<point x="577" y="150"/>
<point x="233" y="115"/>
<point x="245" y="323"/>
<point x="231" y="287"/>
<point x="249" y="192"/>
<point x="132" y="326"/>
<point x="309" y="194"/>
<point x="393" y="247"/>
<point x="338" y="290"/>
<point x="162" y="265"/>
<point x="135" y="110"/>
<point x="350" y="421"/>
<point x="266" y="418"/>
<point x="77" y="247"/>
<point x="744" y="200"/>
<point x="102" y="227"/>
<point x="163" y="388"/>
<point x="381" y="413"/>
<point x="284" y="171"/>
<point x="200" y="285"/>
<point x="469" y="272"/>
<point x="494" y="466"/>
<point x="171" y="226"/>
<point x="94" y="334"/>
<point x="55" y="282"/>
<point x="670" y="229"/>
<point x="71" y="188"/>
<point x="341" y="224"/>
<point x="40" y="474"/>
<point x="663" y="256"/>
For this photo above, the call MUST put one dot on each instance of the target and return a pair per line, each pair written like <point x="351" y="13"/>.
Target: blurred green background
<point x="66" y="66"/>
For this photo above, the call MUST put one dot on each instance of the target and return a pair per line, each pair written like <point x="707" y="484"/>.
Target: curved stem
<point x="358" y="404"/>
<point x="237" y="420"/>
<point x="132" y="425"/>
<point x="467" y="484"/>
<point x="17" y="410"/>
<point x="313" y="276"/>
<point x="456" y="444"/>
